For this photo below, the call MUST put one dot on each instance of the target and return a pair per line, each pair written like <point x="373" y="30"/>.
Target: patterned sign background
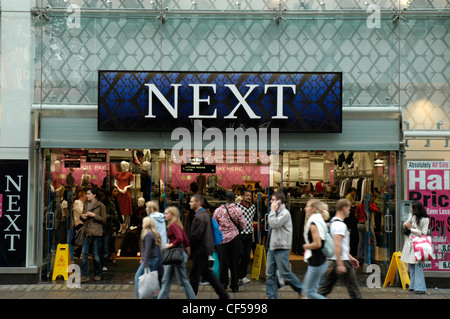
<point x="316" y="106"/>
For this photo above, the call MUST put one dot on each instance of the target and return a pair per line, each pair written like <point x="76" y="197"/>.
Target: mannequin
<point x="58" y="176"/>
<point x="124" y="181"/>
<point x="85" y="178"/>
<point x="212" y="182"/>
<point x="201" y="180"/>
<point x="145" y="181"/>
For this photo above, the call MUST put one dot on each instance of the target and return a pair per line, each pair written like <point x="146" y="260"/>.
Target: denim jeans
<point x="169" y="271"/>
<point x="312" y="279"/>
<point x="96" y="242"/>
<point x="152" y="265"/>
<point x="363" y="248"/>
<point x="278" y="259"/>
<point x="417" y="280"/>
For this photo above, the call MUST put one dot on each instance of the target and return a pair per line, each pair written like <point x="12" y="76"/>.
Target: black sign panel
<point x="14" y="207"/>
<point x="198" y="168"/>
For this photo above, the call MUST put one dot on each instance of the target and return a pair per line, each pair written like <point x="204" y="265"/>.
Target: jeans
<point x="180" y="269"/>
<point x="152" y="265"/>
<point x="312" y="279"/>
<point x="363" y="248"/>
<point x="96" y="242"/>
<point x="348" y="278"/>
<point x="279" y="259"/>
<point x="107" y="245"/>
<point x="246" y="242"/>
<point x="417" y="280"/>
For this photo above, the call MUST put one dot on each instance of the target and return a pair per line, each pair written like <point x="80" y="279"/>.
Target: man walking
<point x="280" y="241"/>
<point x="202" y="246"/>
<point x="246" y="238"/>
<point x="230" y="220"/>
<point x="342" y="264"/>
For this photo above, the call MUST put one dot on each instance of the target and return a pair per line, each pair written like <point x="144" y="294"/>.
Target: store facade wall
<point x="67" y="45"/>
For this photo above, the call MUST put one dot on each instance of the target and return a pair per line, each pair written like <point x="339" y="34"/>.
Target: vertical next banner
<point x="13" y="217"/>
<point x="429" y="183"/>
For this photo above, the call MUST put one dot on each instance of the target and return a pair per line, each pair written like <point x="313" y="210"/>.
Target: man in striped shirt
<point x="246" y="239"/>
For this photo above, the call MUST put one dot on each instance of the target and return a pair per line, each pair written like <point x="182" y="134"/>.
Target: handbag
<point x="148" y="287"/>
<point x="79" y="236"/>
<point x="423" y="249"/>
<point x="172" y="256"/>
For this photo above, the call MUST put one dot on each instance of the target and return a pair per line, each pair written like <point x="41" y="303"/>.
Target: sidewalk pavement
<point x="120" y="285"/>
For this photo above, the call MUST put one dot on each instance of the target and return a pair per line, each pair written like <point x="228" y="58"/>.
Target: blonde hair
<point x="153" y="206"/>
<point x="320" y="208"/>
<point x="148" y="225"/>
<point x="172" y="210"/>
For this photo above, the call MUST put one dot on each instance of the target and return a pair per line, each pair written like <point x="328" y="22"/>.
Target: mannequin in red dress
<point x="124" y="181"/>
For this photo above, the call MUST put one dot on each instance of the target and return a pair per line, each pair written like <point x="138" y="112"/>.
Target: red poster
<point x="429" y="183"/>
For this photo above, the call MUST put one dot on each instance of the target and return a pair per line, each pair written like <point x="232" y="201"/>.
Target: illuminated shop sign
<point x="163" y="101"/>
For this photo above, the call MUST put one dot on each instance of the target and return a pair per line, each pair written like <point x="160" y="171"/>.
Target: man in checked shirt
<point x="231" y="222"/>
<point x="246" y="238"/>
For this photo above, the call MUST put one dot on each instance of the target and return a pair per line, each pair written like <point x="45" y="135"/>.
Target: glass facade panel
<point x="393" y="53"/>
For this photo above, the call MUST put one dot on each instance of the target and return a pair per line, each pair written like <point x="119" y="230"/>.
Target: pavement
<point x="118" y="284"/>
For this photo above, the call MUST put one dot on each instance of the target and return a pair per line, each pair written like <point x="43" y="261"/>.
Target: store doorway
<point x="154" y="176"/>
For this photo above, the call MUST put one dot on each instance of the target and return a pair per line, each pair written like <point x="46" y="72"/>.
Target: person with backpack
<point x="342" y="264"/>
<point x="315" y="235"/>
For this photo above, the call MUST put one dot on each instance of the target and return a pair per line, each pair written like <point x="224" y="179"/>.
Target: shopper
<point x="150" y="251"/>
<point x="231" y="222"/>
<point x="177" y="237"/>
<point x="108" y="228"/>
<point x="280" y="242"/>
<point x="342" y="265"/>
<point x="314" y="236"/>
<point x="94" y="217"/>
<point x="246" y="237"/>
<point x="152" y="209"/>
<point x="202" y="245"/>
<point x="364" y="229"/>
<point x="417" y="223"/>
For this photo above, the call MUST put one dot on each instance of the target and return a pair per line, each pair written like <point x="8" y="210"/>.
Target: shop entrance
<point x="152" y="176"/>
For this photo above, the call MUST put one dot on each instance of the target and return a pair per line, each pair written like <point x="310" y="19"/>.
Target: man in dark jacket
<point x="202" y="246"/>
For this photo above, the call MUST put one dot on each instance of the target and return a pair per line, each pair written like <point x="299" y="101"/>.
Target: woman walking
<point x="177" y="237"/>
<point x="151" y="252"/>
<point x="417" y="224"/>
<point x="314" y="235"/>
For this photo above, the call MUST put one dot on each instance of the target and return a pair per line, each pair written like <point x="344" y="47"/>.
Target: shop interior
<point x="151" y="175"/>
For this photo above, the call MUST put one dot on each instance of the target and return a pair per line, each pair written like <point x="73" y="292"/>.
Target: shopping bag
<point x="423" y="249"/>
<point x="148" y="284"/>
<point x="216" y="268"/>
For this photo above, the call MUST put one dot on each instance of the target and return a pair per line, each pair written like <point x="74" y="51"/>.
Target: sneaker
<point x="244" y="280"/>
<point x="85" y="279"/>
<point x="104" y="268"/>
<point x="97" y="278"/>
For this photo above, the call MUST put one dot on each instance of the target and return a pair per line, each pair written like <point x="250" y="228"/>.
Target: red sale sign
<point x="429" y="183"/>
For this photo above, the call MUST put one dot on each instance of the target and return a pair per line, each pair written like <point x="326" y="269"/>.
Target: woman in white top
<point x="314" y="235"/>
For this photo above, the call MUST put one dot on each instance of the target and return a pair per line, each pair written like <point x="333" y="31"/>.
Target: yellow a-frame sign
<point x="259" y="262"/>
<point x="402" y="271"/>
